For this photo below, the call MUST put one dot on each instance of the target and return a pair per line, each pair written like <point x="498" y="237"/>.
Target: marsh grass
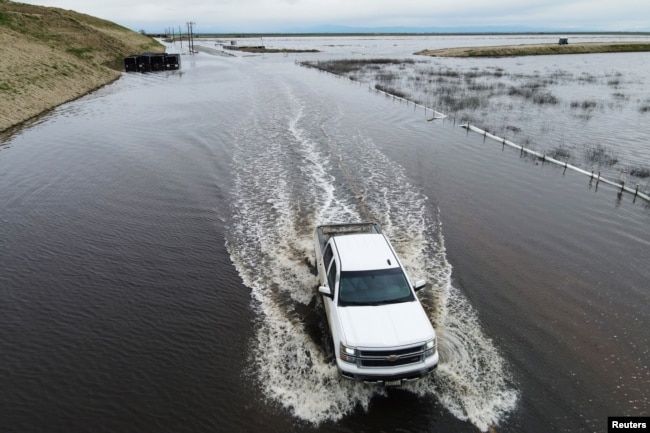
<point x="600" y="155"/>
<point x="587" y="78"/>
<point x="391" y="91"/>
<point x="585" y="105"/>
<point x="453" y="90"/>
<point x="386" y="77"/>
<point x="560" y="152"/>
<point x="533" y="91"/>
<point x="346" y="66"/>
<point x="640" y="172"/>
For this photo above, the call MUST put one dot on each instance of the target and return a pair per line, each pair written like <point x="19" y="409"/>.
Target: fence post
<point x="623" y="179"/>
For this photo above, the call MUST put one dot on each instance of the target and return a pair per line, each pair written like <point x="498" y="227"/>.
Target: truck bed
<point x="326" y="231"/>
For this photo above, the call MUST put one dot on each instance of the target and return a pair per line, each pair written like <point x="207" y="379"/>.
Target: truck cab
<point x="379" y="329"/>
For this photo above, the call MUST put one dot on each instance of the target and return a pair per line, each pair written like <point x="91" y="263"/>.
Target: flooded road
<point x="157" y="263"/>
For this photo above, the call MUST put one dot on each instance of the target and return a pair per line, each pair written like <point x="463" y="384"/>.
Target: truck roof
<point x="362" y="252"/>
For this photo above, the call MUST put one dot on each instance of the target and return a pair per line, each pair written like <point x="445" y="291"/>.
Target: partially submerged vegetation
<point x="345" y="66"/>
<point x="544" y="110"/>
<point x="52" y="55"/>
<point x="539" y="49"/>
<point x="561" y="153"/>
<point x="600" y="155"/>
<point x="640" y="172"/>
<point x="451" y="90"/>
<point x="264" y="50"/>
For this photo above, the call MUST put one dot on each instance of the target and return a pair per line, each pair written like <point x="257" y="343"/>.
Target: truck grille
<point x="390" y="358"/>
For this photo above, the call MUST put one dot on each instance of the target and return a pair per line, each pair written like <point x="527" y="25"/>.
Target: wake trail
<point x="297" y="167"/>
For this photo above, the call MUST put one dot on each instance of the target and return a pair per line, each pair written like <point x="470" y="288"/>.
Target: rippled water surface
<point x="157" y="260"/>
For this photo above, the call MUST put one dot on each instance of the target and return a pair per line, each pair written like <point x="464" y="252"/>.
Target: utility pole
<point x="180" y="37"/>
<point x="189" y="33"/>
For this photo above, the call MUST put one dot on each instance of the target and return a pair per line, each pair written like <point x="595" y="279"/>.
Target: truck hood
<point x="385" y="325"/>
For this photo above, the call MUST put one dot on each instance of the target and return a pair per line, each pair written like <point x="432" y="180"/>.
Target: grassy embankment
<point x="539" y="49"/>
<point x="49" y="56"/>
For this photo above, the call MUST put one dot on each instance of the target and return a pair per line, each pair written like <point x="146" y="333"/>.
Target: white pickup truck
<point x="380" y="332"/>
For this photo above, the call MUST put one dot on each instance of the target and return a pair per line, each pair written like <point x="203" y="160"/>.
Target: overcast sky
<point x="297" y="15"/>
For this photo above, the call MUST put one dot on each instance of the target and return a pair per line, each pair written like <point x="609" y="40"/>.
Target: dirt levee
<point x="538" y="49"/>
<point x="50" y="56"/>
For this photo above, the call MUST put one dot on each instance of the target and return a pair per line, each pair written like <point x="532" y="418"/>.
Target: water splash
<point x="305" y="174"/>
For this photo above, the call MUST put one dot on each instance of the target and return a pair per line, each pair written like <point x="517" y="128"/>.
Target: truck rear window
<point x="384" y="286"/>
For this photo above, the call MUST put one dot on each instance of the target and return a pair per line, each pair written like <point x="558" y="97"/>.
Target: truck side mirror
<point x="324" y="290"/>
<point x="419" y="285"/>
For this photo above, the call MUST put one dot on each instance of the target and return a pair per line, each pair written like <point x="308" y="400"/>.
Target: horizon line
<point x="418" y="33"/>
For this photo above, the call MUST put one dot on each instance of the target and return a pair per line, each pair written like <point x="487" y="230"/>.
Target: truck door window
<point x="327" y="256"/>
<point x="331" y="276"/>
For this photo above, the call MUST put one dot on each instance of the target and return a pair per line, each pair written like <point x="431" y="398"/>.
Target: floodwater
<point x="157" y="261"/>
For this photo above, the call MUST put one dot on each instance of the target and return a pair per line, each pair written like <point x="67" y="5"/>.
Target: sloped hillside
<point x="49" y="56"/>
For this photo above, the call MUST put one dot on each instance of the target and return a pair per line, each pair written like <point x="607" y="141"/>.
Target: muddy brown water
<point x="156" y="244"/>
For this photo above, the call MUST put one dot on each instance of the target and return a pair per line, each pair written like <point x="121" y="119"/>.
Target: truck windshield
<point x="384" y="286"/>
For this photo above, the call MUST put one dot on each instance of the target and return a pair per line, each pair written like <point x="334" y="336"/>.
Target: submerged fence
<point x="634" y="191"/>
<point x="593" y="176"/>
<point x="436" y="114"/>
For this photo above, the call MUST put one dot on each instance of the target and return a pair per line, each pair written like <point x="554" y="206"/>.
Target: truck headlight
<point x="430" y="348"/>
<point x="347" y="354"/>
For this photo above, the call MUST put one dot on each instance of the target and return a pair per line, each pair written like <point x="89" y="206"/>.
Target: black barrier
<point x="152" y="62"/>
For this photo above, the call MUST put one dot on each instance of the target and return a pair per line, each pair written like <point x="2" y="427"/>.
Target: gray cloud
<point x="280" y="15"/>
